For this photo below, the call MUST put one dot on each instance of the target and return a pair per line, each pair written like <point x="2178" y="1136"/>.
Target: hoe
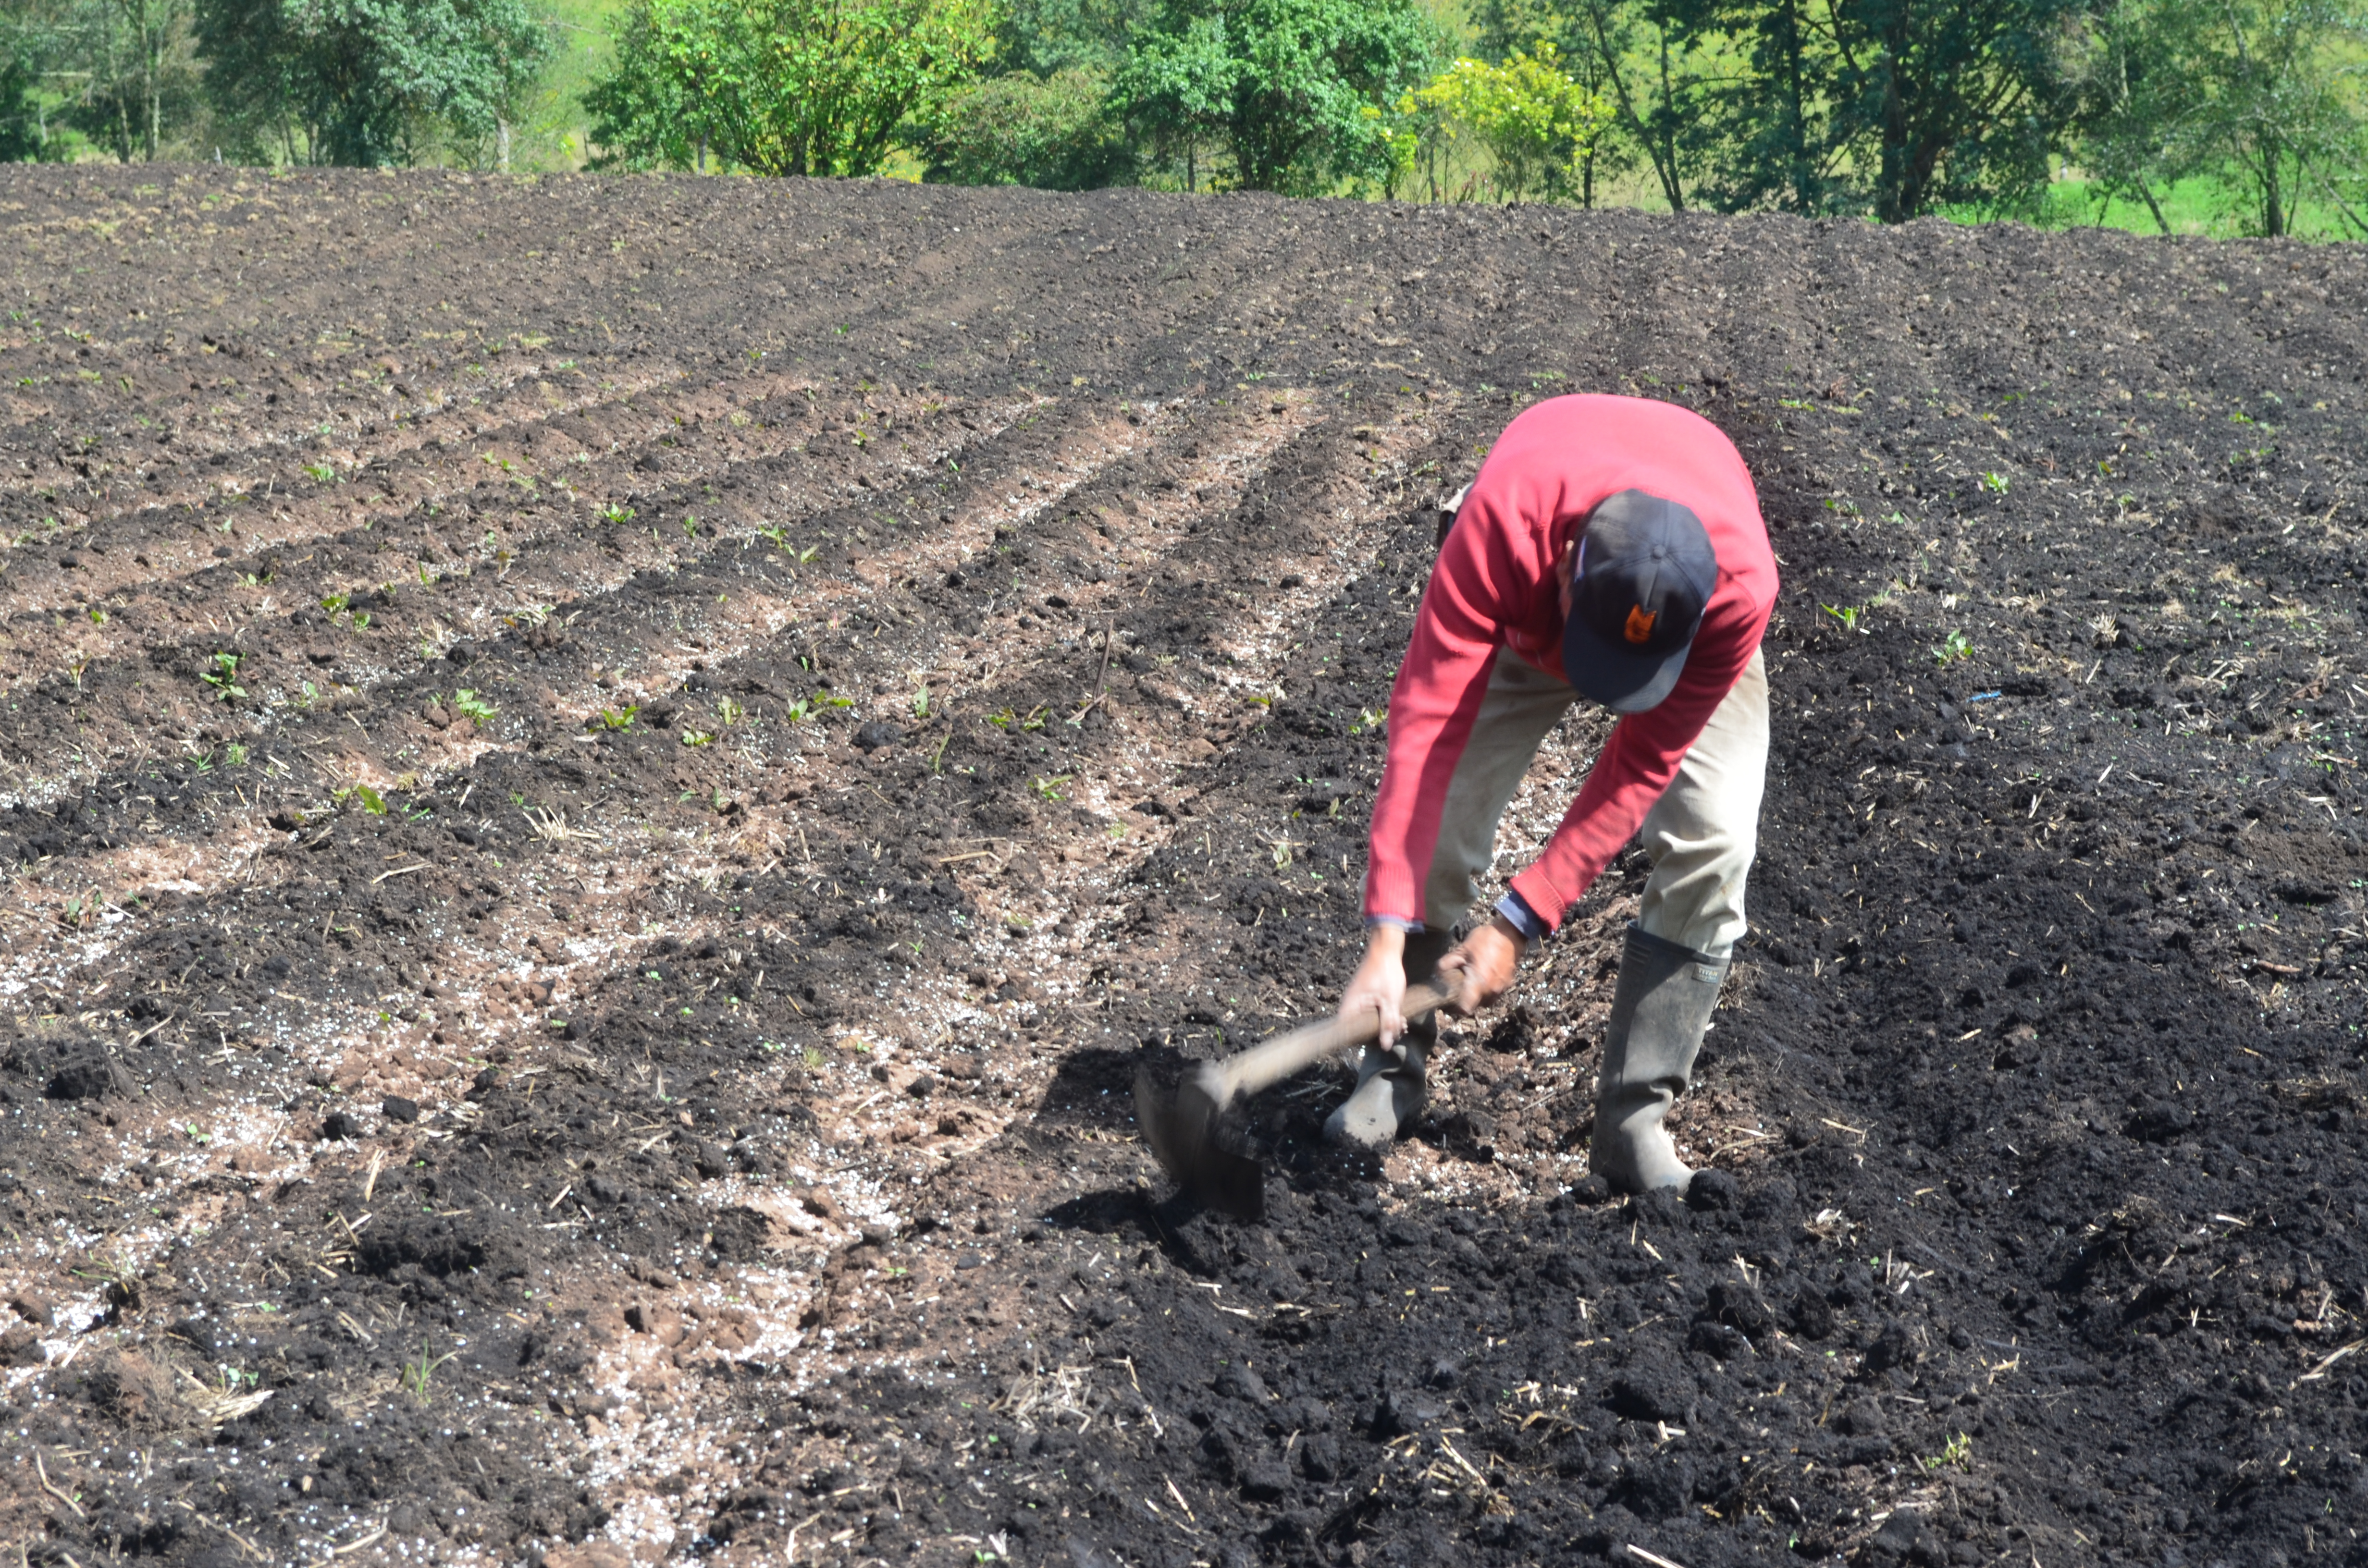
<point x="1183" y="1132"/>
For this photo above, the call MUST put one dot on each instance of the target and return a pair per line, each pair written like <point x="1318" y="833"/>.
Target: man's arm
<point x="1634" y="771"/>
<point x="1433" y="703"/>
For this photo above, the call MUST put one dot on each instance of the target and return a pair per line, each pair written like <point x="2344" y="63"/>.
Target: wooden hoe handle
<point x="1272" y="1061"/>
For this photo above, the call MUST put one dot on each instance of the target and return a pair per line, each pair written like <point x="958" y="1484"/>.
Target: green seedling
<point x="1034" y="720"/>
<point x="308" y="694"/>
<point x="615" y="719"/>
<point x="360" y="620"/>
<point x="373" y="801"/>
<point x="1852" y="616"/>
<point x="321" y="472"/>
<point x="802" y="556"/>
<point x="1959" y="1452"/>
<point x="1369" y="719"/>
<point x="689" y="526"/>
<point x="335" y="603"/>
<point x="1050" y="788"/>
<point x="97" y="616"/>
<point x="1994" y="483"/>
<point x="1954" y="646"/>
<point x="796" y="708"/>
<point x="417" y="1375"/>
<point x="236" y="754"/>
<point x="471" y="706"/>
<point x="617" y="512"/>
<point x="223" y="677"/>
<point x="698" y="738"/>
<point x="921" y="703"/>
<point x="779" y="535"/>
<point x="730" y="711"/>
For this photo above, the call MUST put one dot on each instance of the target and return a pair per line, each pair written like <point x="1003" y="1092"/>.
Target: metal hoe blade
<point x="1183" y="1135"/>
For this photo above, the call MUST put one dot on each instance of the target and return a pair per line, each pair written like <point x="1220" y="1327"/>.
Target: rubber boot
<point x="1392" y="1085"/>
<point x="1659" y="1012"/>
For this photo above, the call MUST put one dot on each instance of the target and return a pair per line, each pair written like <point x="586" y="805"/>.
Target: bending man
<point x="1610" y="548"/>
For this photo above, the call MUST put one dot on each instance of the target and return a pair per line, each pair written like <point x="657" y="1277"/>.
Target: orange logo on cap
<point x="1639" y="628"/>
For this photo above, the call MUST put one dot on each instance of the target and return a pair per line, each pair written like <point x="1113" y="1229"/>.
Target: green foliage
<point x="366" y="83"/>
<point x="473" y="708"/>
<point x="1298" y="93"/>
<point x="138" y="78"/>
<point x="783" y="87"/>
<point x="1885" y="107"/>
<point x="21" y="137"/>
<point x="1045" y="38"/>
<point x="1056" y="132"/>
<point x="221" y="674"/>
<point x="2265" y="92"/>
<point x="1539" y="121"/>
<point x="114" y="75"/>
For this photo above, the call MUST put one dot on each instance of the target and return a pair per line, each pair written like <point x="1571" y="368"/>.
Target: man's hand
<point x="1379" y="984"/>
<point x="1482" y="966"/>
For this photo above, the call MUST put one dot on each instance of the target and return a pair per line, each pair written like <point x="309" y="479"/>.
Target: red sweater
<point x="1495" y="585"/>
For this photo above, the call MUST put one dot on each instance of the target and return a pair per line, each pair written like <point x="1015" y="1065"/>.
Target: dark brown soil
<point x="558" y="1049"/>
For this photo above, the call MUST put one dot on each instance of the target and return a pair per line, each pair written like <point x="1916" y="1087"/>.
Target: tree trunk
<point x="1797" y="129"/>
<point x="2146" y="194"/>
<point x="1672" y="183"/>
<point x="1889" y="205"/>
<point x="2273" y="206"/>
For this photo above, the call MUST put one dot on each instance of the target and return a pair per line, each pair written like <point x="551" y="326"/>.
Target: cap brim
<point x="1619" y="678"/>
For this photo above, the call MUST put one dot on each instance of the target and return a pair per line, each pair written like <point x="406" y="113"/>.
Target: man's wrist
<point x="1515" y="911"/>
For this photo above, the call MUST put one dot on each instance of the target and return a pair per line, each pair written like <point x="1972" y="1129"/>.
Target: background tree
<point x="1656" y="62"/>
<point x="2137" y="134"/>
<point x="784" y="86"/>
<point x="24" y="48"/>
<point x="2265" y="95"/>
<point x="1537" y="121"/>
<point x="1297" y="92"/>
<point x="1956" y="100"/>
<point x="2272" y="77"/>
<point x="1056" y="132"/>
<point x="139" y="79"/>
<point x="1046" y="37"/>
<point x="1779" y="142"/>
<point x="367" y="82"/>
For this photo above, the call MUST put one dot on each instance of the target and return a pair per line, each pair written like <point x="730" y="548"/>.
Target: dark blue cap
<point x="1645" y="571"/>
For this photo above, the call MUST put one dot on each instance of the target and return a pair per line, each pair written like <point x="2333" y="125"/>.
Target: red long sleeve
<point x="1494" y="587"/>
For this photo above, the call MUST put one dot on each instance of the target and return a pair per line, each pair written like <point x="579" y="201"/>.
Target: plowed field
<point x="603" y="782"/>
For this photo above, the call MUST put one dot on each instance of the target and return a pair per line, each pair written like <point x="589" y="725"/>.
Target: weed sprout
<point x="223" y="677"/>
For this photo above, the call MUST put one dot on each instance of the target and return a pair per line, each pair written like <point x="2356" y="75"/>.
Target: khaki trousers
<point x="1700" y="835"/>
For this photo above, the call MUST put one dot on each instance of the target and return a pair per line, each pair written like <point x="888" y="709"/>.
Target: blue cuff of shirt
<point x="1393" y="922"/>
<point x="1521" y="916"/>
